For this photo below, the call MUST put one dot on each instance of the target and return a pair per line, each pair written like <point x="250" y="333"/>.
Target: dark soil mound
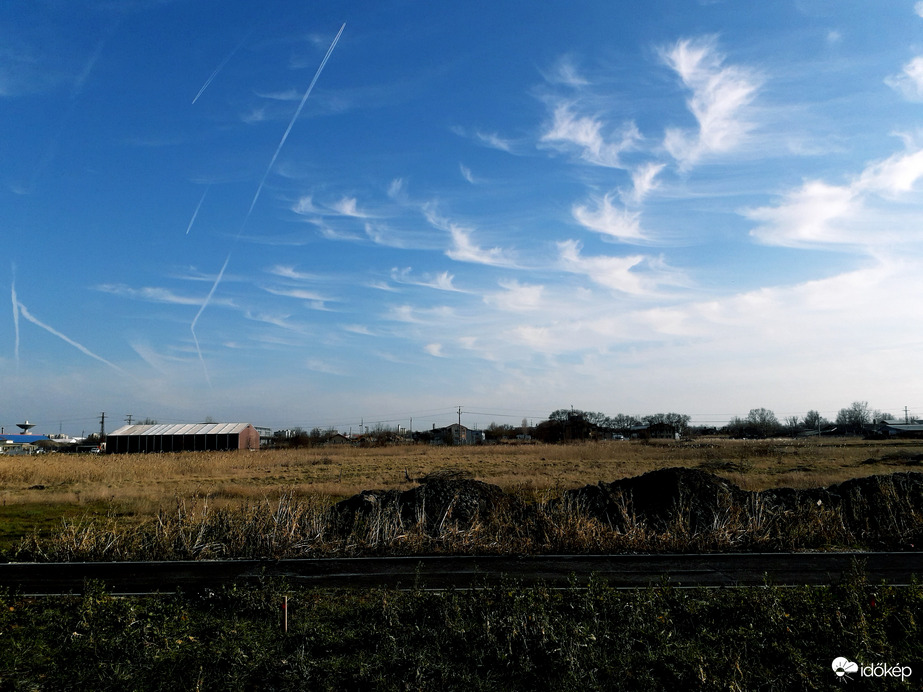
<point x="877" y="511"/>
<point x="659" y="499"/>
<point x="437" y="502"/>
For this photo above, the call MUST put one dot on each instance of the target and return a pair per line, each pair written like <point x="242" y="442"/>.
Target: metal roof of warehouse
<point x="182" y="429"/>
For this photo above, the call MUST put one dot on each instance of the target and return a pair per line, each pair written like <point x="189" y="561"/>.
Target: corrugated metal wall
<point x="183" y="438"/>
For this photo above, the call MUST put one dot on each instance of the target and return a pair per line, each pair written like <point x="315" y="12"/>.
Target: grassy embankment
<point x="500" y="638"/>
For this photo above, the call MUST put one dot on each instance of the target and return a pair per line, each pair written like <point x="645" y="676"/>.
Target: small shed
<point x="182" y="437"/>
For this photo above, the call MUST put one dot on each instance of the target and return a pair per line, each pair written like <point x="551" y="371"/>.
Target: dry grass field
<point x="38" y="492"/>
<point x="148" y="481"/>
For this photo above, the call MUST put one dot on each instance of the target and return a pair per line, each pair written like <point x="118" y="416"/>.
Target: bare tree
<point x="763" y="422"/>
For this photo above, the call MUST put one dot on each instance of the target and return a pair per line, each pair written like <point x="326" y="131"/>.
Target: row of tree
<point x="564" y="425"/>
<point x="570" y="424"/>
<point x="852" y="420"/>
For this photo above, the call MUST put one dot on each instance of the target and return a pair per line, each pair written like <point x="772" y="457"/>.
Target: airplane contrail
<point x="51" y="330"/>
<point x="291" y="123"/>
<point x="205" y="303"/>
<point x="15" y="316"/>
<point x="196" y="212"/>
<point x="259" y="189"/>
<point x="221" y="66"/>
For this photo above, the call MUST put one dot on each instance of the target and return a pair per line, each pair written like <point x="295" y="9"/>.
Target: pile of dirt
<point x="437" y="501"/>
<point x="659" y="499"/>
<point x="662" y="500"/>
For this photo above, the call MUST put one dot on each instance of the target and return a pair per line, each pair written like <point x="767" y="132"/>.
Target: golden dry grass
<point x="145" y="482"/>
<point x="273" y="502"/>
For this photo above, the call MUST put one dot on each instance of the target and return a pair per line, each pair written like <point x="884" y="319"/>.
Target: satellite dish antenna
<point x="25" y="427"/>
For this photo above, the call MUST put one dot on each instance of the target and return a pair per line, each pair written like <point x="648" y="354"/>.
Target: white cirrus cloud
<point x="853" y="214"/>
<point x="348" y="206"/>
<point x="463" y="248"/>
<point x="609" y="220"/>
<point x="644" y="181"/>
<point x="495" y="141"/>
<point x="442" y="281"/>
<point x="156" y="294"/>
<point x="910" y="81"/>
<point x="637" y="275"/>
<point x="565" y="72"/>
<point x="584" y="134"/>
<point x="297" y="293"/>
<point x="720" y="95"/>
<point x="517" y="297"/>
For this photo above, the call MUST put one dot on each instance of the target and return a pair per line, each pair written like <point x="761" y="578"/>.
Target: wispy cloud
<point x="637" y="275"/>
<point x="720" y="95"/>
<point x="517" y="297"/>
<point x="348" y="206"/>
<point x="609" y="220"/>
<point x="495" y="141"/>
<point x="820" y="214"/>
<point x="299" y="294"/>
<point x="289" y="272"/>
<point x="644" y="181"/>
<point x="288" y="95"/>
<point x="442" y="281"/>
<point x="565" y="72"/>
<point x="155" y="294"/>
<point x="910" y="81"/>
<point x="463" y="248"/>
<point x="584" y="134"/>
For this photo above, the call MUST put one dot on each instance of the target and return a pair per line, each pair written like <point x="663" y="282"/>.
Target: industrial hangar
<point x="182" y="437"/>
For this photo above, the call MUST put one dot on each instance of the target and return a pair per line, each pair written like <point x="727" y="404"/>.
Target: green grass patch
<point x="503" y="637"/>
<point x="47" y="520"/>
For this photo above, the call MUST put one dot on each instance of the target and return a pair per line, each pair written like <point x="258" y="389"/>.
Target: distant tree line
<point x="569" y="424"/>
<point x="852" y="420"/>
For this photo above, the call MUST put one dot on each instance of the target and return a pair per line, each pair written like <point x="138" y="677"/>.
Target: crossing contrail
<point x="259" y="189"/>
<point x="221" y="66"/>
<point x="51" y="330"/>
<point x="205" y="303"/>
<point x="196" y="212"/>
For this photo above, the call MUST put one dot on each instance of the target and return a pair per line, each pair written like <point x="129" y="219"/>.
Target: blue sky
<point x="703" y="207"/>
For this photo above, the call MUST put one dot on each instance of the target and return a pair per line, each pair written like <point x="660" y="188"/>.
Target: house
<point x="661" y="431"/>
<point x="21" y="444"/>
<point x="457" y="434"/>
<point x="894" y="428"/>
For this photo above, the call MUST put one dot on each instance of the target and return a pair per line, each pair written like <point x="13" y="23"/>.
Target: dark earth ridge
<point x="660" y="500"/>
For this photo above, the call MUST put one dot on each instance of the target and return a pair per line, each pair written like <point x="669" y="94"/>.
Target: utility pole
<point x="128" y="418"/>
<point x="906" y="416"/>
<point x="102" y="425"/>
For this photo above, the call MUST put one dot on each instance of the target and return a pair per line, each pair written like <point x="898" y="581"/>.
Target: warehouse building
<point x="182" y="437"/>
